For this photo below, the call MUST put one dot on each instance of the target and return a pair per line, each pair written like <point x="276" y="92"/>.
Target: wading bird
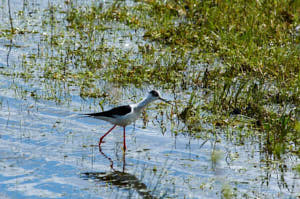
<point x="125" y="115"/>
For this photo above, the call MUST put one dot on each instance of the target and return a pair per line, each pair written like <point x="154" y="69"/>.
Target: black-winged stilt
<point x="125" y="115"/>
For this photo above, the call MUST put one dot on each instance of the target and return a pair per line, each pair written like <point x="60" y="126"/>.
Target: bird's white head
<point x="155" y="95"/>
<point x="152" y="96"/>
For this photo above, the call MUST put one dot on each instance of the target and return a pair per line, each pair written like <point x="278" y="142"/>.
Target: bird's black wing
<point x="118" y="111"/>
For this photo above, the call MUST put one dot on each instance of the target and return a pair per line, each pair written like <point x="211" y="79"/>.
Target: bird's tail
<point x="77" y="116"/>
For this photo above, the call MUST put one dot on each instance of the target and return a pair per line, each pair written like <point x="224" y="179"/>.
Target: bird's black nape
<point x="154" y="93"/>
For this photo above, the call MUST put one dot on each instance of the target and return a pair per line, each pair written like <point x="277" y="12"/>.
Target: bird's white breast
<point x="130" y="117"/>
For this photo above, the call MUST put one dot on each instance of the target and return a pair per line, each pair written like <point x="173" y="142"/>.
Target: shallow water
<point x="47" y="151"/>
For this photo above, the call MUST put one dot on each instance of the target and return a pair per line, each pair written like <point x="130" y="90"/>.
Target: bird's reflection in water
<point x="120" y="179"/>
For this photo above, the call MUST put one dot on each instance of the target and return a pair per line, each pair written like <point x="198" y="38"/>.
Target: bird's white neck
<point x="142" y="104"/>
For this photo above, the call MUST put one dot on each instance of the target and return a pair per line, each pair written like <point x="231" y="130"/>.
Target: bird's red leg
<point x="100" y="141"/>
<point x="124" y="139"/>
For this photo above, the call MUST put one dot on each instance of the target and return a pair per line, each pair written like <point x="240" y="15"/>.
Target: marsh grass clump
<point x="258" y="49"/>
<point x="227" y="192"/>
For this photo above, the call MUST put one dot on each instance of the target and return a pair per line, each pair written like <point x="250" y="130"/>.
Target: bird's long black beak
<point x="164" y="100"/>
